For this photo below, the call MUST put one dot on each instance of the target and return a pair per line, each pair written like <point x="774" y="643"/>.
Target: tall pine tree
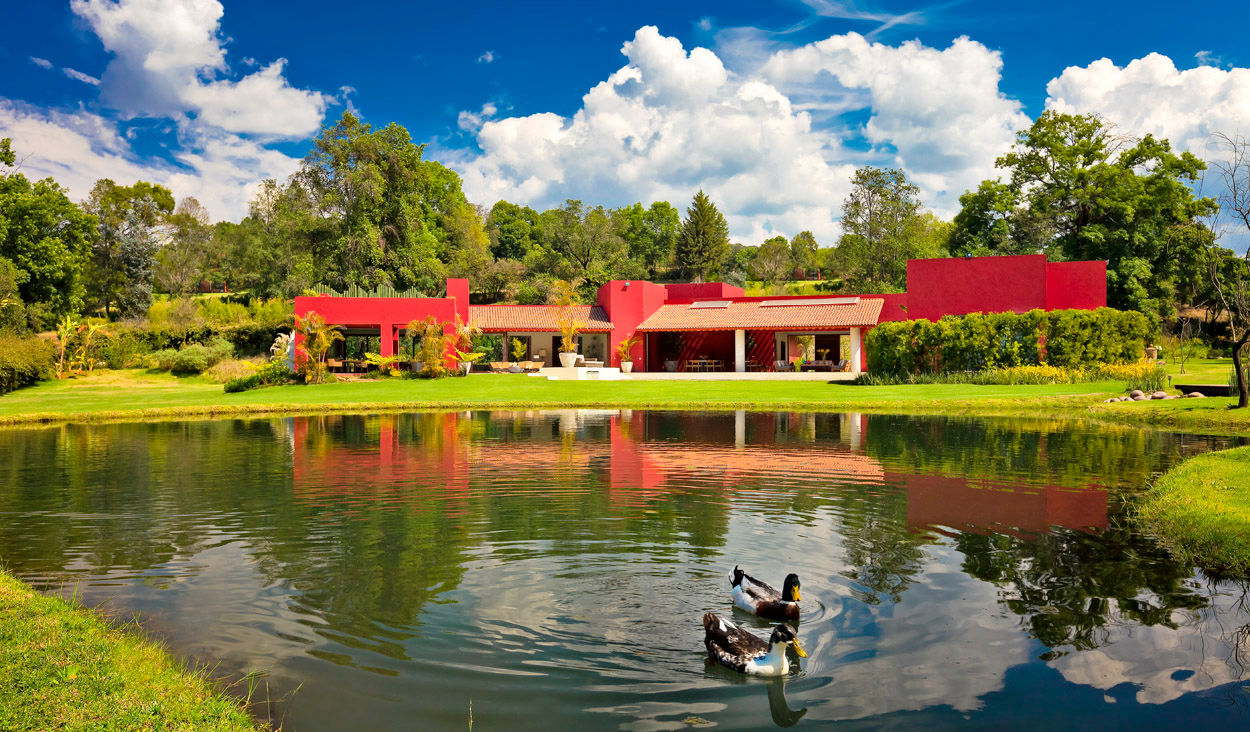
<point x="703" y="243"/>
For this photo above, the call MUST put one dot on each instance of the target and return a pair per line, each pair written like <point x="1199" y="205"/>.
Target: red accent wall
<point x="702" y="291"/>
<point x="958" y="286"/>
<point x="627" y="303"/>
<point x="1076" y="285"/>
<point x="388" y="315"/>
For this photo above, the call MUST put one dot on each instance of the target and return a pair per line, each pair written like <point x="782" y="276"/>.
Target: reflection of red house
<point x="641" y="470"/>
<point x="718" y="322"/>
<point x="956" y="502"/>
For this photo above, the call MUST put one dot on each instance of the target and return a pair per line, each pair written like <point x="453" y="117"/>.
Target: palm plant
<point x="625" y="349"/>
<point x="65" y="330"/>
<point x="317" y="339"/>
<point x="432" y="347"/>
<point x="563" y="296"/>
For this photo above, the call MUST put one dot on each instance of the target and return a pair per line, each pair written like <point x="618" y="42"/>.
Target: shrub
<point x="23" y="361"/>
<point x="121" y="349"/>
<point x="228" y="370"/>
<point x="1151" y="379"/>
<point x="980" y="342"/>
<point x="270" y="374"/>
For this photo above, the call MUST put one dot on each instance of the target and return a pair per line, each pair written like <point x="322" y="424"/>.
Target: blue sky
<point x="786" y="98"/>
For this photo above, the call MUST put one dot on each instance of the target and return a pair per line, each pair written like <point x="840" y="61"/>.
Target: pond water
<point x="549" y="569"/>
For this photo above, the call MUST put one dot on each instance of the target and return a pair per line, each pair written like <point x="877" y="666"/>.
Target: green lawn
<point x="1201" y="509"/>
<point x="62" y="667"/>
<point x="139" y="394"/>
<point x="1201" y="371"/>
<point x="135" y="394"/>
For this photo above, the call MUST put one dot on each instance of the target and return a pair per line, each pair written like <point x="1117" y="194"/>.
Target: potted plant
<point x="519" y="350"/>
<point x="562" y="296"/>
<point x="625" y="352"/>
<point x="466" y="359"/>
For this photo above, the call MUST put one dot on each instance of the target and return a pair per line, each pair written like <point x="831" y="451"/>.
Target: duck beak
<point x="798" y="648"/>
<point x="797" y="596"/>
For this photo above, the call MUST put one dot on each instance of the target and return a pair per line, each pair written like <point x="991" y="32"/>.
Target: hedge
<point x="23" y="361"/>
<point x="983" y="341"/>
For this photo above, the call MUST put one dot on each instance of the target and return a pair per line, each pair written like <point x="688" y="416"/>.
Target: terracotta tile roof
<point x="765" y="315"/>
<point x="534" y="318"/>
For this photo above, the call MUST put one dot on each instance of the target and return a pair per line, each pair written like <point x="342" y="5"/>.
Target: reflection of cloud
<point x="1164" y="663"/>
<point x="945" y="644"/>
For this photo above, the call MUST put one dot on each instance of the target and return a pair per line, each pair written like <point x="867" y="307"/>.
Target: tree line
<point x="367" y="209"/>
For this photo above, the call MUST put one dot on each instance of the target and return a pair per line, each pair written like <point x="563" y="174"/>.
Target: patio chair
<point x="840" y="365"/>
<point x="782" y="365"/>
<point x="334" y="365"/>
<point x="499" y="367"/>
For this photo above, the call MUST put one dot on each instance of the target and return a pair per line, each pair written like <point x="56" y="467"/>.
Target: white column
<point x="740" y="351"/>
<point x="856" y="345"/>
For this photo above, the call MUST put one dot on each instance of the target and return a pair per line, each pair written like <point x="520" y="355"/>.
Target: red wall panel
<point x="1076" y="285"/>
<point x="958" y="286"/>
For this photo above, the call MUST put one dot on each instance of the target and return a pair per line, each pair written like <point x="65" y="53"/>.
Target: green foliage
<point x="772" y="262"/>
<point x="270" y="374"/>
<point x="514" y="230"/>
<point x="25" y="360"/>
<point x="519" y="349"/>
<point x="388" y="208"/>
<point x="703" y="242"/>
<point x="432" y="346"/>
<point x="883" y="226"/>
<point x="122" y="348"/>
<point x="1078" y="192"/>
<point x="193" y="358"/>
<point x="1149" y="380"/>
<point x="125" y="243"/>
<point x="47" y="238"/>
<point x="986" y="341"/>
<point x="650" y="233"/>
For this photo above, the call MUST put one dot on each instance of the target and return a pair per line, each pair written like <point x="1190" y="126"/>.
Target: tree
<point x="514" y="230"/>
<point x="468" y="244"/>
<point x="803" y="250"/>
<point x="128" y="219"/>
<point x="186" y="253"/>
<point x="772" y="262"/>
<point x="1099" y="196"/>
<point x="992" y="221"/>
<point x="380" y="210"/>
<point x="650" y="233"/>
<point x="883" y="226"/>
<point x="45" y="236"/>
<point x="703" y="242"/>
<point x="1230" y="274"/>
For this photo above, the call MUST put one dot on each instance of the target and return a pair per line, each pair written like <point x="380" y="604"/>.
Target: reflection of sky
<point x="1165" y="663"/>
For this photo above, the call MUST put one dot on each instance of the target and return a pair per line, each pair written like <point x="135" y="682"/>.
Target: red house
<point x="715" y="325"/>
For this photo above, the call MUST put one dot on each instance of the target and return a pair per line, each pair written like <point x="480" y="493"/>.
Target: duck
<point x="760" y="598"/>
<point x="745" y="652"/>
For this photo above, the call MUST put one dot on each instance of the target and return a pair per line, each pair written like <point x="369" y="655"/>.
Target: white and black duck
<point x="760" y="598"/>
<point x="735" y="648"/>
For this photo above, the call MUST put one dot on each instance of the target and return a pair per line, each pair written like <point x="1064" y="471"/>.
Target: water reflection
<point x="956" y="572"/>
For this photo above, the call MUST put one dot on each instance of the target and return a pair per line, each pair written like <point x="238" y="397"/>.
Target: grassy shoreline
<point x="65" y="667"/>
<point x="142" y="396"/>
<point x="1201" y="510"/>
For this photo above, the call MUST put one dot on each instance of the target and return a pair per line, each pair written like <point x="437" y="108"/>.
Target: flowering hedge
<point x="1066" y="339"/>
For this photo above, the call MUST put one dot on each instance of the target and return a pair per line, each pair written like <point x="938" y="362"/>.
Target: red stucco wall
<point x="702" y="291"/>
<point x="628" y="303"/>
<point x="958" y="286"/>
<point x="1076" y="285"/>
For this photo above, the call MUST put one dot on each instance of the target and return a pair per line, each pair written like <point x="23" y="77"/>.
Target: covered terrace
<point x="757" y="334"/>
<point x="538" y="327"/>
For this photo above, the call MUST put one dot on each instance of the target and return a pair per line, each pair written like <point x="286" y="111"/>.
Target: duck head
<point x="790" y="590"/>
<point x="786" y="636"/>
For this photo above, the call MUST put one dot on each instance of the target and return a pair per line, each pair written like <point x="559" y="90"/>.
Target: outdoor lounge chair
<point x="499" y="367"/>
<point x="840" y="365"/>
<point x="782" y="365"/>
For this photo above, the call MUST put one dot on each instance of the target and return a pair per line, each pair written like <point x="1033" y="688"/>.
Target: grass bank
<point x="135" y="395"/>
<point x="1201" y="510"/>
<point x="63" y="667"/>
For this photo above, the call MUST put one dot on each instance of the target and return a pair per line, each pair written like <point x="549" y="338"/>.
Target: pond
<point x="549" y="570"/>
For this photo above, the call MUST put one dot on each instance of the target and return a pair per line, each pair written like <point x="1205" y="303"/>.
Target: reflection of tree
<point x="1068" y="586"/>
<point x="1064" y="452"/>
<point x="884" y="555"/>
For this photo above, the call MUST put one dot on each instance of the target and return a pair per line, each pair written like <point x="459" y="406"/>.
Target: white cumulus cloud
<point x="169" y="63"/>
<point x="1150" y="94"/>
<point x="666" y="124"/>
